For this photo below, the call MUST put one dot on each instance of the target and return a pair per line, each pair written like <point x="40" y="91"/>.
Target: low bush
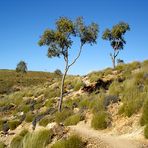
<point x="2" y="145"/>
<point x="39" y="139"/>
<point x="146" y="131"/>
<point x="94" y="76"/>
<point x="110" y="99"/>
<point x="72" y="142"/>
<point x="16" y="142"/>
<point x="29" y="117"/>
<point x="52" y="92"/>
<point x="144" y="118"/>
<point x="73" y="120"/>
<point x="100" y="120"/>
<point x="78" y="85"/>
<point x="23" y="132"/>
<point x="13" y="124"/>
<point x="115" y="88"/>
<point x="44" y="121"/>
<point x="62" y="116"/>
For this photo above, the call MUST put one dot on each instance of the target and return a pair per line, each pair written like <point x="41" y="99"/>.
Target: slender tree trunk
<point x="62" y="88"/>
<point x="64" y="76"/>
<point x="114" y="64"/>
<point x="113" y="60"/>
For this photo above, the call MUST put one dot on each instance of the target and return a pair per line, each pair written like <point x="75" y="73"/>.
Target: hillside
<point x="99" y="109"/>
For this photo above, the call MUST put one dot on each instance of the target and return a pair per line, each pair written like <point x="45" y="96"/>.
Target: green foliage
<point x="72" y="142"/>
<point x="29" y="117"/>
<point x="115" y="35"/>
<point x="74" y="119"/>
<point x="21" y="67"/>
<point x="44" y="121"/>
<point x="78" y="85"/>
<point x="38" y="139"/>
<point x="146" y="131"/>
<point x="51" y="92"/>
<point x="23" y="132"/>
<point x="2" y="145"/>
<point x="100" y="120"/>
<point x="16" y="142"/>
<point x="133" y="95"/>
<point x="94" y="76"/>
<point x="144" y="118"/>
<point x="115" y="88"/>
<point x="62" y="116"/>
<point x="116" y="39"/>
<point x="59" y="40"/>
<point x="58" y="72"/>
<point x="10" y="80"/>
<point x="13" y="124"/>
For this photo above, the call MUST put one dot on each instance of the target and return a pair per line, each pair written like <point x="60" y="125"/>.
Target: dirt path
<point x="103" y="140"/>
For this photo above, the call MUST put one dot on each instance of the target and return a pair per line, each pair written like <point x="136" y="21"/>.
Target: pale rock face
<point x="51" y="125"/>
<point x="76" y="110"/>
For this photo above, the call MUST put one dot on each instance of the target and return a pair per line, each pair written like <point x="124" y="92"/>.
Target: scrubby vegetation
<point x="36" y="105"/>
<point x="100" y="120"/>
<point x="73" y="141"/>
<point x="30" y="140"/>
<point x="74" y="119"/>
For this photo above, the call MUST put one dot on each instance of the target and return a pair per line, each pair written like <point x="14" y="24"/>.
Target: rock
<point x="76" y="110"/>
<point x="51" y="125"/>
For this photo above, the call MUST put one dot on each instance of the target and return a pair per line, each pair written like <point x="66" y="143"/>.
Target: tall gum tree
<point x="116" y="39"/>
<point x="59" y="41"/>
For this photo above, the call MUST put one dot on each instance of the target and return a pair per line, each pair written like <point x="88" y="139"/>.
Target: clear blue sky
<point x="23" y="21"/>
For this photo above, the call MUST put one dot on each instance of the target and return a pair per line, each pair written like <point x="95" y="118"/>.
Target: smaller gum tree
<point x="60" y="40"/>
<point x="116" y="39"/>
<point x="21" y="67"/>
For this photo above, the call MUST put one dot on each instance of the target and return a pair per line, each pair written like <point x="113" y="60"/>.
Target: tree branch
<point x="76" y="57"/>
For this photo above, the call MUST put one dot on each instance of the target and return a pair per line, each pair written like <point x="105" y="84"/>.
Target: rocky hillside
<point x="98" y="108"/>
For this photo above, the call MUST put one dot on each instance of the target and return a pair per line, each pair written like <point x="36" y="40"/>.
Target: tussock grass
<point x="74" y="119"/>
<point x="62" y="116"/>
<point x="100" y="120"/>
<point x="73" y="141"/>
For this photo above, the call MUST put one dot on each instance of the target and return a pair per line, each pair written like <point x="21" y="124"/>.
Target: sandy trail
<point x="104" y="140"/>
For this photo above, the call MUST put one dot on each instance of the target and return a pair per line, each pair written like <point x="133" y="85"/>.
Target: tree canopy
<point x="21" y="67"/>
<point x="116" y="38"/>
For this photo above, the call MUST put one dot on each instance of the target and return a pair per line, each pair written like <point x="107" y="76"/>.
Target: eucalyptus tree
<point x="21" y="67"/>
<point x="60" y="40"/>
<point x="116" y="39"/>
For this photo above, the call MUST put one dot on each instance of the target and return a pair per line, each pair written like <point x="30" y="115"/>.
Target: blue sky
<point x="23" y="21"/>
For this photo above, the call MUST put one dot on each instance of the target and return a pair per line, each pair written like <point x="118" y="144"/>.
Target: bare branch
<point x="76" y="57"/>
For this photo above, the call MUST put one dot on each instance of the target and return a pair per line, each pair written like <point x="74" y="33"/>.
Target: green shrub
<point x="25" y="108"/>
<point x="84" y="102"/>
<point x="146" y="131"/>
<point x="13" y="124"/>
<point x="62" y="116"/>
<point x="100" y="120"/>
<point x="144" y="118"/>
<point x="115" y="88"/>
<point x="23" y="132"/>
<point x="50" y="102"/>
<point x="52" y="92"/>
<point x="44" y="121"/>
<point x="72" y="142"/>
<point x="73" y="120"/>
<point x="16" y="142"/>
<point x="29" y="117"/>
<point x="94" y="76"/>
<point x="2" y="145"/>
<point x="78" y="85"/>
<point x="96" y="103"/>
<point x="39" y="139"/>
<point x="107" y="71"/>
